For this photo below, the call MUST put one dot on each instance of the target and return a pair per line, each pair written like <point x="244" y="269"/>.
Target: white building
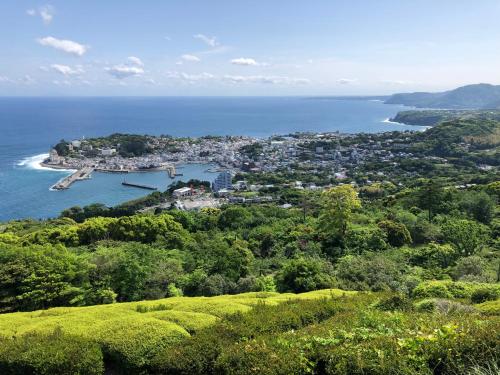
<point x="108" y="151"/>
<point x="54" y="157"/>
<point x="223" y="181"/>
<point x="182" y="192"/>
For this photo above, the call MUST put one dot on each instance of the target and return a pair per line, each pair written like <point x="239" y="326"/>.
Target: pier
<point x="140" y="186"/>
<point x="170" y="170"/>
<point x="81" y="174"/>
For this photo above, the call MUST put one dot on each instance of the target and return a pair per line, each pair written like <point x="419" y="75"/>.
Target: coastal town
<point x="248" y="167"/>
<point x="329" y="151"/>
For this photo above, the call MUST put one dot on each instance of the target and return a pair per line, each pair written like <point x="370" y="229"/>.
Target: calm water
<point x="29" y="126"/>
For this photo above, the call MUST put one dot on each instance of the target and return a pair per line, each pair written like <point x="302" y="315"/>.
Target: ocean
<point x="30" y="126"/>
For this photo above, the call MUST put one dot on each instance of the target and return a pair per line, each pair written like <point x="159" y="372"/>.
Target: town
<point x="251" y="168"/>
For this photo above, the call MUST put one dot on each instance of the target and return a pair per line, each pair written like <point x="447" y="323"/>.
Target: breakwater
<point x="140" y="186"/>
<point x="81" y="174"/>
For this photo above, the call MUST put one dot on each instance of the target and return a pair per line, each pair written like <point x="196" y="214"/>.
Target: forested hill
<point x="435" y="116"/>
<point x="478" y="96"/>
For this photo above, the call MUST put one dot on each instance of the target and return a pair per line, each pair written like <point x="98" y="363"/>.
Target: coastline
<point x="389" y="121"/>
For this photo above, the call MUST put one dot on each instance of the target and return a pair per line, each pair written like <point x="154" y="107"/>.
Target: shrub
<point x="443" y="306"/>
<point x="49" y="354"/>
<point x="451" y="289"/>
<point x="432" y="289"/>
<point x="484" y="294"/>
<point x="395" y="302"/>
<point x="368" y="272"/>
<point x="469" y="266"/>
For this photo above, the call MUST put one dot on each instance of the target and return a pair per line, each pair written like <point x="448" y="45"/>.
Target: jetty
<point x="140" y="186"/>
<point x="170" y="168"/>
<point x="81" y="174"/>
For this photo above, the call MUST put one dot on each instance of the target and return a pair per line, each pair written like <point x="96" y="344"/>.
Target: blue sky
<point x="244" y="47"/>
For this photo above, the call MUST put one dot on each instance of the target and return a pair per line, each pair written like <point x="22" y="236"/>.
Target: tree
<point x="397" y="233"/>
<point x="234" y="218"/>
<point x="39" y="277"/>
<point x="466" y="236"/>
<point x="433" y="255"/>
<point x="430" y="197"/>
<point x="479" y="206"/>
<point x="338" y="204"/>
<point x="148" y="229"/>
<point x="303" y="275"/>
<point x="472" y="267"/>
<point x="136" y="271"/>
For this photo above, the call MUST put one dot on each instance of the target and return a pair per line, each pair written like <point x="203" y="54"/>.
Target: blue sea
<point x="30" y="126"/>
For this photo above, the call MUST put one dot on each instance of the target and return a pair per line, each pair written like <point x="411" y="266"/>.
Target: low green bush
<point x="211" y="350"/>
<point x="50" y="354"/>
<point x="395" y="302"/>
<point x="484" y="294"/>
<point x="455" y="289"/>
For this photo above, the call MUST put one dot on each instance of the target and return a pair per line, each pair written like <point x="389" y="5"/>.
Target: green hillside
<point x="323" y="332"/>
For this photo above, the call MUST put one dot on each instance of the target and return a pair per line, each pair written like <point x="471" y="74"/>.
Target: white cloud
<point x="168" y="38"/>
<point x="210" y="41"/>
<point x="190" y="58"/>
<point x="346" y="81"/>
<point x="398" y="82"/>
<point x="123" y="71"/>
<point x="135" y="61"/>
<point x="67" y="70"/>
<point x="46" y="13"/>
<point x="64" y="45"/>
<point x="4" y="79"/>
<point x="62" y="83"/>
<point x="244" y="61"/>
<point x="190" y="77"/>
<point x="274" y="80"/>
<point x="28" y="80"/>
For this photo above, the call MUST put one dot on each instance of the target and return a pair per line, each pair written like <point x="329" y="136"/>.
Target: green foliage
<point x="454" y="289"/>
<point x="50" y="354"/>
<point x="395" y="302"/>
<point x="433" y="255"/>
<point x="485" y="294"/>
<point x="371" y="272"/>
<point x="339" y="203"/>
<point x="397" y="233"/>
<point x="465" y="236"/>
<point x="135" y="271"/>
<point x="302" y="275"/>
<point x="234" y="218"/>
<point x="479" y="206"/>
<point x="38" y="277"/>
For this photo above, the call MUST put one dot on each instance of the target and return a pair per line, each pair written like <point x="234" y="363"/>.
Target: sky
<point x="246" y="47"/>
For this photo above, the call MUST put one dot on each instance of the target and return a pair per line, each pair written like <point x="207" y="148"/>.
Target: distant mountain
<point x="479" y="96"/>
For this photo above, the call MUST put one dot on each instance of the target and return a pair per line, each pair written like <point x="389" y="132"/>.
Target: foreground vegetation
<point x="323" y="332"/>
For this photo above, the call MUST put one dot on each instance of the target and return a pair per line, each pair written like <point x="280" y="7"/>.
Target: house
<point x="108" y="151"/>
<point x="182" y="192"/>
